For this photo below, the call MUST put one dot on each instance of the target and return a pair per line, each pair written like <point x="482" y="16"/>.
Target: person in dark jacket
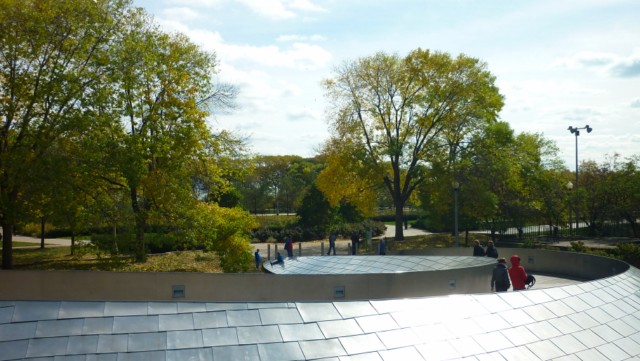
<point x="332" y="243"/>
<point x="477" y="248"/>
<point x="258" y="259"/>
<point x="517" y="273"/>
<point x="491" y="250"/>
<point x="382" y="246"/>
<point x="288" y="245"/>
<point x="500" y="277"/>
<point x="279" y="259"/>
<point x="355" y="240"/>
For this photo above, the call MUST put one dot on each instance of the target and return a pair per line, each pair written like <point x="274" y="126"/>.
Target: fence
<point x="549" y="233"/>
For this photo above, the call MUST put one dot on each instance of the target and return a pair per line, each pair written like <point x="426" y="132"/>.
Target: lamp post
<point x="456" y="188"/>
<point x="570" y="188"/>
<point x="576" y="131"/>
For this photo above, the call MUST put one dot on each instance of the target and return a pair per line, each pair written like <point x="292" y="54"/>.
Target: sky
<point x="558" y="63"/>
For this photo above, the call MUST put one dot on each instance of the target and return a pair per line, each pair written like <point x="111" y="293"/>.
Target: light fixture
<point x="576" y="131"/>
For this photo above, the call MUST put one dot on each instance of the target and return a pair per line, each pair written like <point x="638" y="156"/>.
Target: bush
<point x="262" y="234"/>
<point x="104" y="243"/>
<point x="630" y="253"/>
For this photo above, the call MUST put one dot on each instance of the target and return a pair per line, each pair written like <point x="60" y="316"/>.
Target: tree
<point x="391" y="116"/>
<point x="52" y="55"/>
<point x="278" y="182"/>
<point x="161" y="83"/>
<point x="225" y="231"/>
<point x="626" y="192"/>
<point x="608" y="192"/>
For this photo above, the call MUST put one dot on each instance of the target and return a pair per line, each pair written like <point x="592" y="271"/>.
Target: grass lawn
<point x="59" y="258"/>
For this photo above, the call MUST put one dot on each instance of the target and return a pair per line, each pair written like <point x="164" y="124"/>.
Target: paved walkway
<point x="47" y="241"/>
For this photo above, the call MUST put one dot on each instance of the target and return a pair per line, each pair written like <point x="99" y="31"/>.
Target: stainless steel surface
<point x="558" y="319"/>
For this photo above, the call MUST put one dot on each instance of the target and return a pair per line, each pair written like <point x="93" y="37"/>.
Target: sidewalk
<point x="56" y="242"/>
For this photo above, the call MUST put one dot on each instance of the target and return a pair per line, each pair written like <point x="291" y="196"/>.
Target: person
<point x="288" y="245"/>
<point x="332" y="243"/>
<point x="500" y="277"/>
<point x="355" y="239"/>
<point x="491" y="250"/>
<point x="258" y="258"/>
<point x="279" y="259"/>
<point x="517" y="273"/>
<point x="477" y="248"/>
<point x="382" y="246"/>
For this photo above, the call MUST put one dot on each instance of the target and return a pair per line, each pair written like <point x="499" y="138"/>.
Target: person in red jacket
<point x="517" y="273"/>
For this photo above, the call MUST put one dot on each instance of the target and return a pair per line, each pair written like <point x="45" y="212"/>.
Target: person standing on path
<point x="477" y="249"/>
<point x="517" y="273"/>
<point x="382" y="246"/>
<point x="288" y="245"/>
<point x="332" y="243"/>
<point x="491" y="250"/>
<point x="258" y="258"/>
<point x="355" y="239"/>
<point x="500" y="277"/>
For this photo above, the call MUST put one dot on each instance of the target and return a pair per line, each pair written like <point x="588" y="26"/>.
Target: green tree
<point x="608" y="192"/>
<point x="315" y="211"/>
<point x="160" y="84"/>
<point x="625" y="185"/>
<point x="51" y="71"/>
<point x="392" y="116"/>
<point x="279" y="182"/>
<point x="225" y="231"/>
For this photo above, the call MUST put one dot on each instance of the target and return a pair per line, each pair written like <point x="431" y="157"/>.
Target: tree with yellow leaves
<point x="391" y="115"/>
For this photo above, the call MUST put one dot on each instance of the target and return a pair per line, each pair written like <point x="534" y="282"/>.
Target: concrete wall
<point x="86" y="285"/>
<point x="130" y="286"/>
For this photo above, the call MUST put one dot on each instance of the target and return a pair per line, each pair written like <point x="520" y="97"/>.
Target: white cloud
<point x="181" y="13"/>
<point x="273" y="9"/>
<point x="281" y="9"/>
<point x="301" y="38"/>
<point x="635" y="103"/>
<point x="305" y="5"/>
<point x="606" y="63"/>
<point x="195" y="3"/>
<point x="298" y="56"/>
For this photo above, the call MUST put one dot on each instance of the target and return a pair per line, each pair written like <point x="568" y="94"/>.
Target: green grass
<point x="59" y="258"/>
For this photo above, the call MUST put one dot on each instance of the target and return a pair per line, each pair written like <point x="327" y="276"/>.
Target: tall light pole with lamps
<point x="456" y="188"/>
<point x="576" y="131"/>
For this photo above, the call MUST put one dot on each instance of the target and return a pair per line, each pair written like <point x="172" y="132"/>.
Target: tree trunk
<point x="138" y="212"/>
<point x="399" y="236"/>
<point x="114" y="245"/>
<point x="73" y="242"/>
<point x="42" y="222"/>
<point x="7" y="251"/>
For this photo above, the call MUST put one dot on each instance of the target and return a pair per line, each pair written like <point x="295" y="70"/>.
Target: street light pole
<point x="570" y="188"/>
<point x="456" y="187"/>
<point x="576" y="131"/>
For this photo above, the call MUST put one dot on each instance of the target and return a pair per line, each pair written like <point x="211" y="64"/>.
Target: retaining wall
<point x="256" y="287"/>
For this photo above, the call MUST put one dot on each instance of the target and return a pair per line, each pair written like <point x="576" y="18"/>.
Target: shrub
<point x="630" y="253"/>
<point x="262" y="234"/>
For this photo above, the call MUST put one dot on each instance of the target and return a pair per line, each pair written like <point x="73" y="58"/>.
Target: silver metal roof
<point x="597" y="320"/>
<point x="374" y="264"/>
